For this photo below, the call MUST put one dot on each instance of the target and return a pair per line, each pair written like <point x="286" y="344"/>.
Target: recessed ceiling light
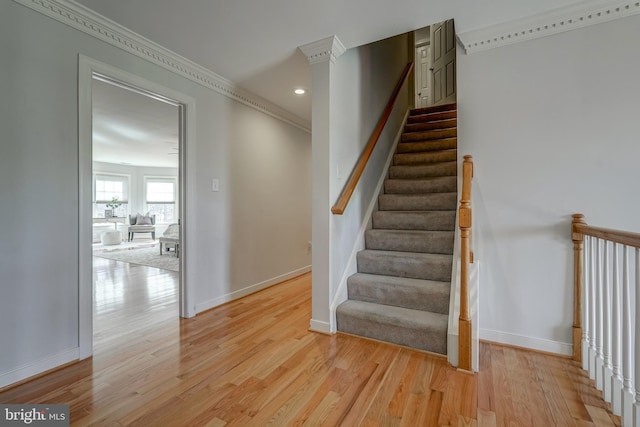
<point x="299" y="91"/>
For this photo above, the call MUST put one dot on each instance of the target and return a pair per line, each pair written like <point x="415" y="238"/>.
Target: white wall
<point x="553" y="127"/>
<point x="256" y="157"/>
<point x="357" y="89"/>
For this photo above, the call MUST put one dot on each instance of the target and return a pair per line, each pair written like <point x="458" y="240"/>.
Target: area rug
<point x="149" y="256"/>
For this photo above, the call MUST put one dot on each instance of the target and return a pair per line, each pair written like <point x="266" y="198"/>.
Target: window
<point x="161" y="199"/>
<point x="105" y="188"/>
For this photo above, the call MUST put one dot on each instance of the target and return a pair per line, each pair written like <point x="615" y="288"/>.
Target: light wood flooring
<point x="517" y="387"/>
<point x="253" y="362"/>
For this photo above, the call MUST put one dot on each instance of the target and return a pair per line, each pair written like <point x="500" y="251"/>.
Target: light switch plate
<point x="215" y="184"/>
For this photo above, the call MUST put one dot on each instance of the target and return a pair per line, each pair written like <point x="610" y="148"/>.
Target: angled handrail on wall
<point x="466" y="258"/>
<point x="350" y="186"/>
<point x="606" y="339"/>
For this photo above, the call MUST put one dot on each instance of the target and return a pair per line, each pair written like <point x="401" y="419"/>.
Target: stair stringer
<point x="352" y="265"/>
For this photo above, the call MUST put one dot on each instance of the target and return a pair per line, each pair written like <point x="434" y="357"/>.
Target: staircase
<point x="401" y="291"/>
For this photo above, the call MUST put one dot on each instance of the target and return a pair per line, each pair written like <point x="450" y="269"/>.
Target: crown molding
<point x="89" y="22"/>
<point x="328" y="49"/>
<point x="548" y="23"/>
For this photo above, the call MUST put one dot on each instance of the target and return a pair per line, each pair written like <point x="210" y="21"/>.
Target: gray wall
<point x="253" y="231"/>
<point x="553" y="127"/>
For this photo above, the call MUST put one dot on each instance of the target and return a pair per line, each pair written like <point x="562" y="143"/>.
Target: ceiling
<point x="133" y="129"/>
<point x="254" y="44"/>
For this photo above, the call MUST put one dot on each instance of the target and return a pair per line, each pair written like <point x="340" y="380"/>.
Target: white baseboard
<point x="207" y="305"/>
<point x="38" y="367"/>
<point x="532" y="343"/>
<point x="320" y="326"/>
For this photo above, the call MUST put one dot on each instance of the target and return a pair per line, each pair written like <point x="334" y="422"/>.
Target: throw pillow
<point x="143" y="219"/>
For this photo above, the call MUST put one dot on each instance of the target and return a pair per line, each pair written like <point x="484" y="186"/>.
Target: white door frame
<point x="87" y="67"/>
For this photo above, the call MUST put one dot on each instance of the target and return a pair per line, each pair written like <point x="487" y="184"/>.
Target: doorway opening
<point x="422" y="66"/>
<point x="132" y="191"/>
<point x="135" y="149"/>
<point x="435" y="64"/>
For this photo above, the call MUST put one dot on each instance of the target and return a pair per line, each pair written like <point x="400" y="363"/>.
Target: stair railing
<point x="354" y="178"/>
<point x="606" y="337"/>
<point x="466" y="258"/>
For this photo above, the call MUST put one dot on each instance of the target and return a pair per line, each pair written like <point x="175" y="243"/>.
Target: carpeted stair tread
<point x="415" y="220"/>
<point x="423" y="171"/>
<point x="434" y="242"/>
<point x="417" y="202"/>
<point x="405" y="264"/>
<point x="437" y="184"/>
<point x="432" y="124"/>
<point x="431" y="145"/>
<point x="429" y="117"/>
<point x="433" y="109"/>
<point x="429" y="134"/>
<point x="415" y="328"/>
<point x="416" y="294"/>
<point x="424" y="158"/>
<point x="401" y="292"/>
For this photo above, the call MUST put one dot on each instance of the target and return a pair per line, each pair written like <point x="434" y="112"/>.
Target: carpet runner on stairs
<point x="401" y="291"/>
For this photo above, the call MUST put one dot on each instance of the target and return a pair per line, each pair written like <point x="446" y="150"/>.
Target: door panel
<point x="423" y="75"/>
<point x="443" y="42"/>
<point x="437" y="86"/>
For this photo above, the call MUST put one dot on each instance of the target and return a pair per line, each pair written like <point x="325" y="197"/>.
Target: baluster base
<point x="585" y="355"/>
<point x="616" y="395"/>
<point x="599" y="373"/>
<point x="628" y="400"/>
<point x="636" y="416"/>
<point x="592" y="363"/>
<point x="607" y="376"/>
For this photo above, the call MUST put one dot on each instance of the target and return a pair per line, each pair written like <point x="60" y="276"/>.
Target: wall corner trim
<point x="89" y="22"/>
<point x="548" y="23"/>
<point x="327" y="49"/>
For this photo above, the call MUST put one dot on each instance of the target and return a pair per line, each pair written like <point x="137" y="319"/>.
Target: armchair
<point x="142" y="224"/>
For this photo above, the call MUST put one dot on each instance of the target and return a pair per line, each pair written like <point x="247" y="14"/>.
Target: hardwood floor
<point x="253" y="362"/>
<point x="517" y="387"/>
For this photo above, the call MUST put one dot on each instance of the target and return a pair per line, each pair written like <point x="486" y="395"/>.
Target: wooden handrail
<point x="616" y="236"/>
<point x="350" y="186"/>
<point x="465" y="222"/>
